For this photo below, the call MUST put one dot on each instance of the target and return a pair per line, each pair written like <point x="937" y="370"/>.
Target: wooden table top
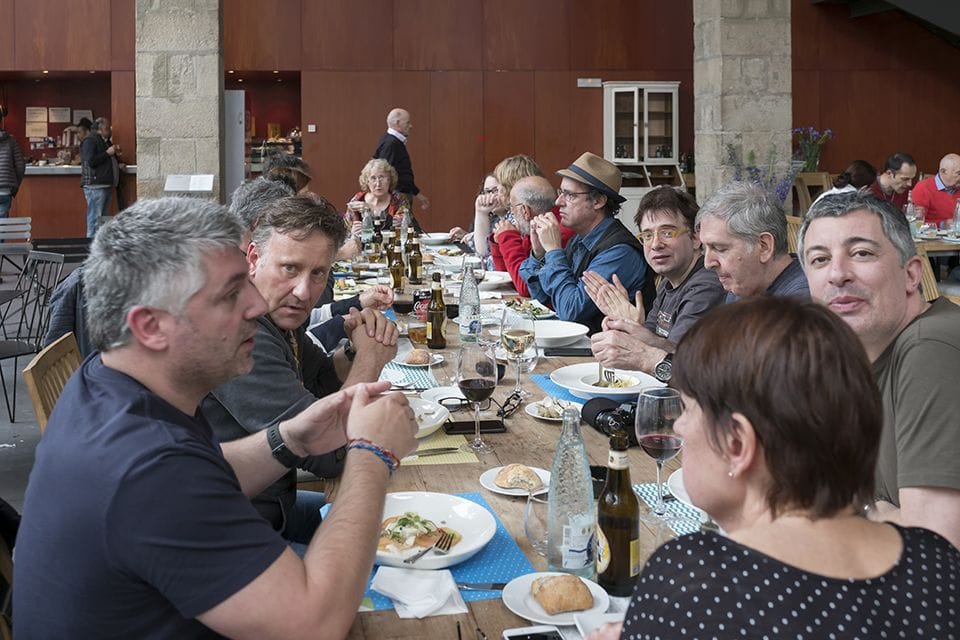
<point x="939" y="247"/>
<point x="528" y="441"/>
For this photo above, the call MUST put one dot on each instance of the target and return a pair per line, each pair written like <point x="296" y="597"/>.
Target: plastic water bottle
<point x="366" y="231"/>
<point x="571" y="519"/>
<point x="470" y="323"/>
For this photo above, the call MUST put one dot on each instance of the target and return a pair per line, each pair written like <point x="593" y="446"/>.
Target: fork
<point x="606" y="375"/>
<point x="440" y="547"/>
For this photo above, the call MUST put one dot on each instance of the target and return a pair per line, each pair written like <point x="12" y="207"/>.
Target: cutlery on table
<point x="439" y="451"/>
<point x="440" y="547"/>
<point x="482" y="586"/>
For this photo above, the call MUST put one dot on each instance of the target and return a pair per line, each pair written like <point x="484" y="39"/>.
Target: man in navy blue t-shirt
<point x="137" y="521"/>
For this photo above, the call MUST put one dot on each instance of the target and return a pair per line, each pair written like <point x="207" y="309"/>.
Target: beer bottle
<point x="377" y="242"/>
<point x="436" y="315"/>
<point x="396" y="266"/>
<point x="415" y="261"/>
<point x="618" y="524"/>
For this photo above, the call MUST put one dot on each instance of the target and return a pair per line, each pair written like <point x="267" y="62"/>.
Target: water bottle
<point x="571" y="519"/>
<point x="366" y="231"/>
<point x="470" y="323"/>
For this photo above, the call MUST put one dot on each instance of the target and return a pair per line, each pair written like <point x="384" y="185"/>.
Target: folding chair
<point x="40" y="275"/>
<point x="47" y="374"/>
<point x="14" y="229"/>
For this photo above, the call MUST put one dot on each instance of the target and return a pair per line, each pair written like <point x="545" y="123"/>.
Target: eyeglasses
<point x="490" y="190"/>
<point x="377" y="179"/>
<point x="505" y="410"/>
<point x="518" y="207"/>
<point x="570" y="195"/>
<point x="647" y="237"/>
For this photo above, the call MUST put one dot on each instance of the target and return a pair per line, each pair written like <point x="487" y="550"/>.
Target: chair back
<point x="801" y="195"/>
<point x="47" y="374"/>
<point x="928" y="281"/>
<point x="6" y="573"/>
<point x="819" y="180"/>
<point x="15" y="229"/>
<point x="73" y="249"/>
<point x="39" y="277"/>
<point x="793" y="232"/>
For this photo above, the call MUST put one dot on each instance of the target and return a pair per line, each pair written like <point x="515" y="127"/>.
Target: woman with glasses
<point x="781" y="429"/>
<point x="378" y="193"/>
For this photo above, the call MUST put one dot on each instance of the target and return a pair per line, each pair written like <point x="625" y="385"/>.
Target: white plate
<point x="435" y="358"/>
<point x="531" y="410"/>
<point x="543" y="311"/>
<point x="437" y="237"/>
<point x="494" y="280"/>
<point x="430" y="416"/>
<point x="516" y="595"/>
<point x="571" y="379"/>
<point x="467" y="518"/>
<point x="487" y="481"/>
<point x="675" y="484"/>
<point x="438" y="393"/>
<point x="587" y="622"/>
<point x="558" y="333"/>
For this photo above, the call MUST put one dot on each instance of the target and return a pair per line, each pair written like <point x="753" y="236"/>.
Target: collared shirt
<point x="943" y="187"/>
<point x="552" y="281"/>
<point x="396" y="134"/>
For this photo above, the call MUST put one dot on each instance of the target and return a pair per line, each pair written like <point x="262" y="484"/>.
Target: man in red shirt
<point x="510" y="244"/>
<point x="939" y="193"/>
<point x="894" y="183"/>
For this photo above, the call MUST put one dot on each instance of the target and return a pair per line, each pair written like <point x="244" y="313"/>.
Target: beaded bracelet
<point x="388" y="458"/>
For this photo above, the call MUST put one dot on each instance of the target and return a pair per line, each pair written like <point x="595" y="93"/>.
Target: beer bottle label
<point x="429" y="330"/>
<point x="618" y="460"/>
<point x="634" y="557"/>
<point x="603" y="552"/>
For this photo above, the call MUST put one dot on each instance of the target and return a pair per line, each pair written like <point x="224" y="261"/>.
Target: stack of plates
<point x="578" y="379"/>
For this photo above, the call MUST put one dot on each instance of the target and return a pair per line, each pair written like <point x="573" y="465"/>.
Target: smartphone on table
<point x="540" y="632"/>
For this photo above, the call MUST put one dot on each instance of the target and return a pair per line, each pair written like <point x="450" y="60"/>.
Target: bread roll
<point x="560" y="594"/>
<point x="418" y="356"/>
<point x="518" y="476"/>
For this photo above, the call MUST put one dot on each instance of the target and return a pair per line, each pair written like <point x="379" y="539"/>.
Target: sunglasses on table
<point x="510" y="404"/>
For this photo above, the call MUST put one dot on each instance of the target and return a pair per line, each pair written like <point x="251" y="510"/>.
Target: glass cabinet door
<point x="626" y="130"/>
<point x="659" y="131"/>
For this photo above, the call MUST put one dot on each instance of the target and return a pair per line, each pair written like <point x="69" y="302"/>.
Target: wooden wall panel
<point x="437" y="34"/>
<point x="123" y="35"/>
<point x="51" y="34"/>
<point x="123" y="110"/>
<point x="7" y="55"/>
<point x="456" y="160"/>
<point x="348" y="34"/>
<point x="856" y="135"/>
<point x="806" y="98"/>
<point x="552" y="97"/>
<point x="509" y="115"/>
<point x="525" y="34"/>
<point x="928" y="129"/>
<point x="261" y="35"/>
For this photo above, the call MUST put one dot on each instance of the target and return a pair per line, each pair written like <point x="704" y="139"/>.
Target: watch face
<point x="663" y="371"/>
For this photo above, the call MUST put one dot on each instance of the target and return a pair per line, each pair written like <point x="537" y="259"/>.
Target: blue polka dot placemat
<point x="551" y="388"/>
<point x="690" y="515"/>
<point x="500" y="561"/>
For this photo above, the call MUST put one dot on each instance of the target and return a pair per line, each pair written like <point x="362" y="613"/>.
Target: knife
<point x="482" y="586"/>
<point x="433" y="452"/>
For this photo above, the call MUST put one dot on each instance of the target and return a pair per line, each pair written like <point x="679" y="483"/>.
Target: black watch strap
<point x="664" y="369"/>
<point x="279" y="448"/>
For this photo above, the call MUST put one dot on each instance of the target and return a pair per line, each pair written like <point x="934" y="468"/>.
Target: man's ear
<point x="766" y="247"/>
<point x="253" y="259"/>
<point x="150" y="327"/>
<point x="600" y="202"/>
<point x="914" y="271"/>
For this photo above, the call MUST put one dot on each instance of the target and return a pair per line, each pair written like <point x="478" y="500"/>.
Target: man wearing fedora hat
<point x="589" y="199"/>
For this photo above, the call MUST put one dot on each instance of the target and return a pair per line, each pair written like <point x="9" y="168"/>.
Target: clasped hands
<point x="545" y="234"/>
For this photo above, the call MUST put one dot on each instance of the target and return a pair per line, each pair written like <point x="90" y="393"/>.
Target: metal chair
<point x="73" y="249"/>
<point x="41" y="273"/>
<point x="14" y="229"/>
<point x="6" y="572"/>
<point x="47" y="374"/>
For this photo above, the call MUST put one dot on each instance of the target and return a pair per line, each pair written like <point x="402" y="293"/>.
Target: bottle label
<point x="634" y="557"/>
<point x="618" y="460"/>
<point x="577" y="547"/>
<point x="429" y="331"/>
<point x="603" y="551"/>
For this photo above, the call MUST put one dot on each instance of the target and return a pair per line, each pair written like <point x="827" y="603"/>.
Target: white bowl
<point x="558" y="333"/>
<point x="473" y="522"/>
<point x="435" y="238"/>
<point x="430" y="416"/>
<point x="572" y="378"/>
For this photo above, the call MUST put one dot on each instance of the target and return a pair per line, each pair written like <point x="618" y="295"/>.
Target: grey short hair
<point x="749" y="210"/>
<point x="151" y="255"/>
<point x="251" y="198"/>
<point x="539" y="195"/>
<point x="894" y="224"/>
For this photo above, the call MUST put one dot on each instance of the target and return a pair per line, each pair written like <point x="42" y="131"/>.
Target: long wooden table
<point x="528" y="441"/>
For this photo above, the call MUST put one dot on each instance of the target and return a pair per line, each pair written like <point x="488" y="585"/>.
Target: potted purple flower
<point x="807" y="142"/>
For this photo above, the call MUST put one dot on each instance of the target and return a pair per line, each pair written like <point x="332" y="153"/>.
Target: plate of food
<point x="437" y="237"/>
<point x="516" y="480"/>
<point x="418" y="358"/>
<point x="550" y="408"/>
<point x="531" y="307"/>
<point x="414" y="520"/>
<point x="430" y="416"/>
<point x="550" y="597"/>
<point x="345" y="286"/>
<point x="582" y="381"/>
<point x="449" y="252"/>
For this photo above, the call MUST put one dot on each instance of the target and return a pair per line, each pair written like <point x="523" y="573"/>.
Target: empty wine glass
<point x="535" y="523"/>
<point x="517" y="336"/>
<point x="657" y="410"/>
<point x="477" y="378"/>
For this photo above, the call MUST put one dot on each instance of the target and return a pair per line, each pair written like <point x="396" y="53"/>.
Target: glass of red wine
<point x="477" y="378"/>
<point x="657" y="410"/>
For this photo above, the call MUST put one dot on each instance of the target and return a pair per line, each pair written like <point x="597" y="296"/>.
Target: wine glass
<point x="517" y="335"/>
<point x="477" y="378"/>
<point x="657" y="410"/>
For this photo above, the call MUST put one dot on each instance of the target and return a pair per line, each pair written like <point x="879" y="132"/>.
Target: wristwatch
<point x="664" y="369"/>
<point x="349" y="351"/>
<point x="279" y="448"/>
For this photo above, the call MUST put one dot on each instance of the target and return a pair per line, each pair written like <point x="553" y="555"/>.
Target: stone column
<point x="179" y="92"/>
<point x="741" y="86"/>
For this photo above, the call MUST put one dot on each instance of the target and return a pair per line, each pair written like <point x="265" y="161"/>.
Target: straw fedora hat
<point x="598" y="173"/>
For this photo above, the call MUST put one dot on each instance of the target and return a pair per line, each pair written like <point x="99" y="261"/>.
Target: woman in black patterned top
<point x="781" y="428"/>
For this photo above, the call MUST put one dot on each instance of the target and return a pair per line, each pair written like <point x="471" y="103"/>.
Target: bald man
<point x="939" y="193"/>
<point x="393" y="148"/>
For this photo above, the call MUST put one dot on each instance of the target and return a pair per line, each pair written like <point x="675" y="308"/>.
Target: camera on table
<point x="606" y="416"/>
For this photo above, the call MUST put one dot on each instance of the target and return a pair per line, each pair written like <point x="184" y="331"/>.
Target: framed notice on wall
<point x="36" y="130"/>
<point x="36" y="114"/>
<point x="80" y="114"/>
<point x="59" y="114"/>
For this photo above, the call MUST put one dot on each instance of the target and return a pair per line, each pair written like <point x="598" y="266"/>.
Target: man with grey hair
<point x="251" y="198"/>
<point x="510" y="243"/>
<point x="862" y="263"/>
<point x="137" y="521"/>
<point x="289" y="258"/>
<point x="743" y="230"/>
<point x="392" y="147"/>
